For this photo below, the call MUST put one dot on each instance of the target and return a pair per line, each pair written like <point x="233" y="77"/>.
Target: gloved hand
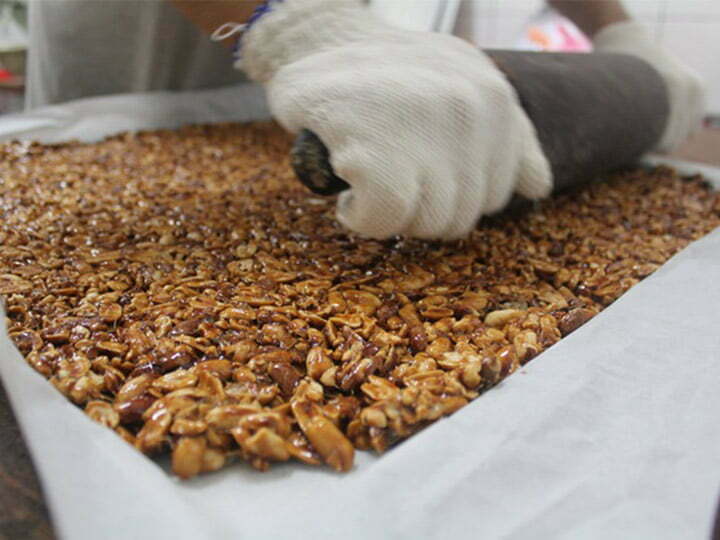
<point x="685" y="89"/>
<point x="424" y="128"/>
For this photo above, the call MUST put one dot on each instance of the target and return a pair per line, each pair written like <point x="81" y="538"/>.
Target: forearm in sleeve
<point x="591" y="16"/>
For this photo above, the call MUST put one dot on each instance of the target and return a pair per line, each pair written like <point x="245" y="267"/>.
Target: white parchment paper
<point x="612" y="433"/>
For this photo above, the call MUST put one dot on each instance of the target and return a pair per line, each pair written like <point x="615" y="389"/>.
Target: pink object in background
<point x="550" y="31"/>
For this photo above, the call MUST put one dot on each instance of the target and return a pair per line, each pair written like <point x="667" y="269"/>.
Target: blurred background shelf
<point x="13" y="54"/>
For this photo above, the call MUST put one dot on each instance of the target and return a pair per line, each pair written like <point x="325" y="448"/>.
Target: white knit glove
<point x="685" y="88"/>
<point x="424" y="128"/>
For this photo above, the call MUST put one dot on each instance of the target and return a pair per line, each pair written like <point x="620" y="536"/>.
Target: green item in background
<point x="13" y="36"/>
<point x="18" y="9"/>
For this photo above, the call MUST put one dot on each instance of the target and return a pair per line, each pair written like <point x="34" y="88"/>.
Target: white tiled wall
<point x="690" y="28"/>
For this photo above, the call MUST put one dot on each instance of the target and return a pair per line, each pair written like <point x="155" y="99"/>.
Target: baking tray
<point x="613" y="432"/>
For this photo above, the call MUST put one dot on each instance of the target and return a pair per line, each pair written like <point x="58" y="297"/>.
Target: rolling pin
<point x="593" y="113"/>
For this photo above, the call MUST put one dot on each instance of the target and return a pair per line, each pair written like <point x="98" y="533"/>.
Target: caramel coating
<point x="186" y="291"/>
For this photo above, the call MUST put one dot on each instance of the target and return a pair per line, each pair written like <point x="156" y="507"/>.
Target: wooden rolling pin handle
<point x="593" y="113"/>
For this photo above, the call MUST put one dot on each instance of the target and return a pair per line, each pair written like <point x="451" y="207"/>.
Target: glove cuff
<point x="685" y="88"/>
<point x="623" y="37"/>
<point x="293" y="29"/>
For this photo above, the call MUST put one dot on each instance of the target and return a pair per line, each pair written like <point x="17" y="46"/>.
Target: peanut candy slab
<point x="188" y="293"/>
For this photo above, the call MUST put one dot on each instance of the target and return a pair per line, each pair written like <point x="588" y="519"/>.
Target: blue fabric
<point x="263" y="9"/>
